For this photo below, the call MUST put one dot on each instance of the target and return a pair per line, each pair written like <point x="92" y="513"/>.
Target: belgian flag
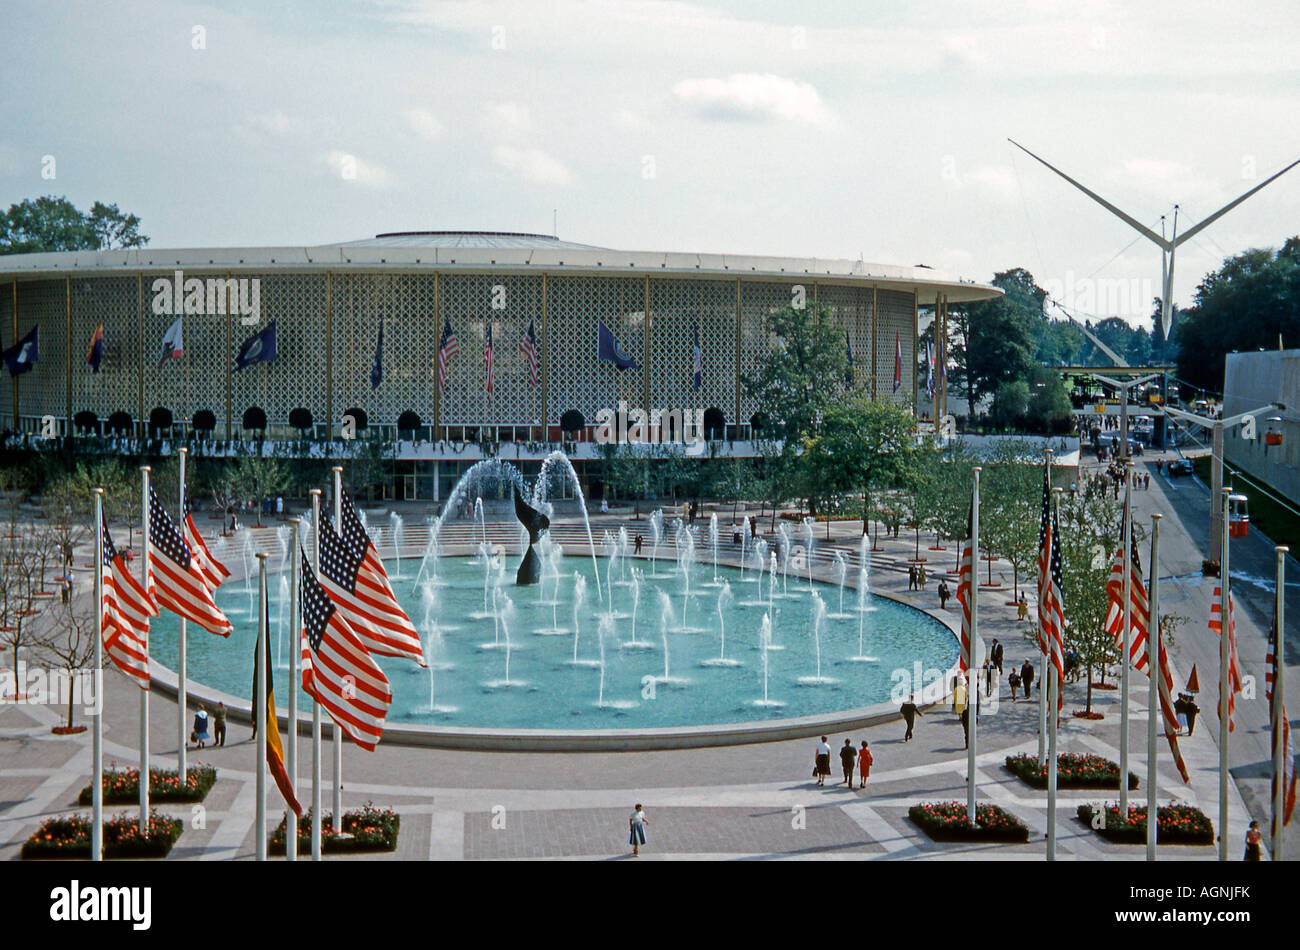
<point x="274" y="749"/>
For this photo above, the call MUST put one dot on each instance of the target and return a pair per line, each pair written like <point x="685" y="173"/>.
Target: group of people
<point x="849" y="757"/>
<point x="199" y="735"/>
<point x="916" y="577"/>
<point x="1186" y="710"/>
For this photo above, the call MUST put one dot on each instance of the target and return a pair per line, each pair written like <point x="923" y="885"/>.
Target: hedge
<point x="366" y="829"/>
<point x="1175" y="824"/>
<point x="67" y="837"/>
<point x="122" y="786"/>
<point x="946" y="821"/>
<point x="1073" y="770"/>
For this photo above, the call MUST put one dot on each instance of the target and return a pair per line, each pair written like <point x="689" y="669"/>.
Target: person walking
<point x="1027" y="677"/>
<point x="944" y="594"/>
<point x="1192" y="710"/>
<point x="847" y="757"/>
<point x="910" y="712"/>
<point x="637" y="548"/>
<point x="1014" y="681"/>
<point x="920" y="577"/>
<point x="988" y="678"/>
<point x="995" y="654"/>
<point x="959" y="694"/>
<point x="636" y="826"/>
<point x="219" y="725"/>
<point x="200" y="735"/>
<point x="965" y="726"/>
<point x="911" y="578"/>
<point x="1253" y="838"/>
<point x="864" y="764"/>
<point x="822" y="761"/>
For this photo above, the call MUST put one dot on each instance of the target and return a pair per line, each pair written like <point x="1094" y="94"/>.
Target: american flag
<point x="487" y="354"/>
<point x="125" y="608"/>
<point x="965" y="588"/>
<point x="1139" y="609"/>
<point x="1278" y="719"/>
<point x="1051" y="612"/>
<point x="528" y="347"/>
<point x="1234" y="667"/>
<point x="213" y="572"/>
<point x="337" y="670"/>
<point x="1165" y="683"/>
<point x="174" y="580"/>
<point x="355" y="580"/>
<point x="447" y="348"/>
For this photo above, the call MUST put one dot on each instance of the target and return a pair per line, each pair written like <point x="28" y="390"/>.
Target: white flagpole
<point x="1053" y="689"/>
<point x="181" y="705"/>
<point x="972" y="695"/>
<point x="97" y="737"/>
<point x="291" y="823"/>
<point x="144" y="693"/>
<point x="262" y="717"/>
<point x="1225" y="615"/>
<point x="1126" y="642"/>
<point x="315" y="706"/>
<point x="1042" y="660"/>
<point x="338" y="733"/>
<point x="1280" y="750"/>
<point x="1154" y="712"/>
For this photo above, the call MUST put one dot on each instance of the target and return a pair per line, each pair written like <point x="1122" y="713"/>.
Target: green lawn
<point x="1280" y="524"/>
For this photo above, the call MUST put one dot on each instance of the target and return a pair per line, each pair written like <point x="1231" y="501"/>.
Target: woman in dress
<point x="822" y="767"/>
<point x="864" y="764"/>
<point x="1253" y="838"/>
<point x="201" y="727"/>
<point x="636" y="825"/>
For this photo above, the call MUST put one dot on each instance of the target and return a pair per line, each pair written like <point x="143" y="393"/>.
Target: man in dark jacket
<point x="1192" y="710"/>
<point x="1027" y="678"/>
<point x="995" y="654"/>
<point x="848" y="756"/>
<point x="910" y="712"/>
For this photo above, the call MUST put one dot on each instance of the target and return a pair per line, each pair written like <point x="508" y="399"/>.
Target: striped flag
<point x="274" y="748"/>
<point x="1139" y="610"/>
<point x="487" y="355"/>
<point x="125" y="608"/>
<point x="898" y="362"/>
<point x="174" y="580"/>
<point x="1234" y="666"/>
<point x="1165" y="682"/>
<point x="355" y="580"/>
<point x="1051" y="612"/>
<point x="1279" y="720"/>
<point x="173" y="346"/>
<point x="528" y="347"/>
<point x="337" y="670"/>
<point x="447" y="348"/>
<point x="95" y="355"/>
<point x="966" y="588"/>
<point x="213" y="572"/>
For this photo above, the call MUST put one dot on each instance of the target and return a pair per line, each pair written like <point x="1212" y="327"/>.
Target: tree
<point x="55" y="224"/>
<point x="72" y="643"/>
<point x="18" y="596"/>
<point x="1010" y="506"/>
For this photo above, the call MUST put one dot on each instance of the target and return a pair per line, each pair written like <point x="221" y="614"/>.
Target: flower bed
<point x="946" y="821"/>
<point x="1175" y="824"/>
<point x="122" y="786"/>
<point x="1104" y="686"/>
<point x="67" y="730"/>
<point x="69" y="837"/>
<point x="1073" y="770"/>
<point x="1084" y="714"/>
<point x="366" y="829"/>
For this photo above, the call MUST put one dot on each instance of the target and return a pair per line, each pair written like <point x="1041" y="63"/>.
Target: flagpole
<point x="144" y="693"/>
<point x="1125" y="643"/>
<point x="315" y="706"/>
<point x="97" y="736"/>
<point x="291" y="825"/>
<point x="1154" y="670"/>
<point x="1043" y="647"/>
<point x="972" y="714"/>
<point x="262" y="718"/>
<point x="182" y="711"/>
<point x="1225" y="630"/>
<point x="1053" y="688"/>
<point x="1280" y="750"/>
<point x="338" y="733"/>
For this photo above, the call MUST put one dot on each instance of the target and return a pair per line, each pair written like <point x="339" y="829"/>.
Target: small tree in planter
<point x="72" y="644"/>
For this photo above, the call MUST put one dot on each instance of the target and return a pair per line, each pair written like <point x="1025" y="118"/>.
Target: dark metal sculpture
<point x="530" y="569"/>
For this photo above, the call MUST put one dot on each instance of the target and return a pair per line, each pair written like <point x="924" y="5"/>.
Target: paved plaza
<point x="752" y="801"/>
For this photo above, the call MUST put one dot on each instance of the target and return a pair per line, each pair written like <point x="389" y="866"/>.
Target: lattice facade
<point x="328" y="325"/>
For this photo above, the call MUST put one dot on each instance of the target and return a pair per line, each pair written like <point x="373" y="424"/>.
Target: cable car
<point x="1238" y="516"/>
<point x="1273" y="436"/>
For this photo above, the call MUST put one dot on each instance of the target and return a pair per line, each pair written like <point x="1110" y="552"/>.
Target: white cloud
<point x="754" y="96"/>
<point x="532" y="164"/>
<point x="508" y="119"/>
<point x="351" y="168"/>
<point x="423" y="124"/>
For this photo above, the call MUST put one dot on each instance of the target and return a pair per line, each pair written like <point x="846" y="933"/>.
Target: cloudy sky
<point x="847" y="129"/>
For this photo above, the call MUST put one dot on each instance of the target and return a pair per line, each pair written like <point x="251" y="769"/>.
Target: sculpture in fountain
<point x="534" y="522"/>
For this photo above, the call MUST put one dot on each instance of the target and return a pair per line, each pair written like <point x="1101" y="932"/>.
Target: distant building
<point x="1256" y="379"/>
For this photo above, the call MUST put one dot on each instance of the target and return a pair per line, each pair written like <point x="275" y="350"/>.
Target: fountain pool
<point x="618" y="681"/>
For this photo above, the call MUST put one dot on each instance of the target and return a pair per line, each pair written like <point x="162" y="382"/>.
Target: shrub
<point x="1073" y="770"/>
<point x="946" y="821"/>
<point x="122" y="786"/>
<point x="366" y="829"/>
<point x="1175" y="824"/>
<point x="68" y="836"/>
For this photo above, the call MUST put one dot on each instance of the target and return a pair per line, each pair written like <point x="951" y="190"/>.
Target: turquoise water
<point x="546" y="689"/>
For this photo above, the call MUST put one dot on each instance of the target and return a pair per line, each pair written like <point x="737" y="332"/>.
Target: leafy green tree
<point x="55" y="224"/>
